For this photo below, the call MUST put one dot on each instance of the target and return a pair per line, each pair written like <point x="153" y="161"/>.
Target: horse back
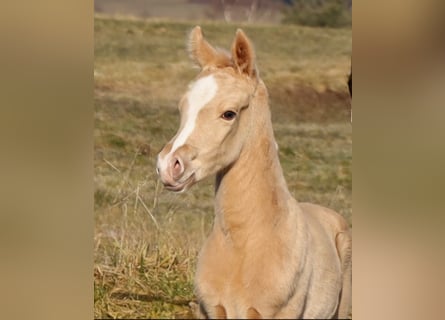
<point x="329" y="220"/>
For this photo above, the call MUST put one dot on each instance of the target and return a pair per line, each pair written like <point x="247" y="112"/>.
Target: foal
<point x="268" y="256"/>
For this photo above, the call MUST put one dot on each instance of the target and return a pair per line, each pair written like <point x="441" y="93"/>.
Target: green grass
<point x="147" y="239"/>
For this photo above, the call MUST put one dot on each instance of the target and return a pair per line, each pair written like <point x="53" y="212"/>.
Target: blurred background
<point x="332" y="13"/>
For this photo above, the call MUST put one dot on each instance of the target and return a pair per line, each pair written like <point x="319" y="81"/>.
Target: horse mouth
<point x="182" y="186"/>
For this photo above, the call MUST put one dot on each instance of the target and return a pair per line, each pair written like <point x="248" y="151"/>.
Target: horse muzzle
<point x="173" y="174"/>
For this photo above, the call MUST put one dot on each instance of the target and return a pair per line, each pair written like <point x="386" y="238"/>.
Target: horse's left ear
<point x="201" y="52"/>
<point x="243" y="54"/>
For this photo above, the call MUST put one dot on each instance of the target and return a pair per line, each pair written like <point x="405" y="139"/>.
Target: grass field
<point x="147" y="239"/>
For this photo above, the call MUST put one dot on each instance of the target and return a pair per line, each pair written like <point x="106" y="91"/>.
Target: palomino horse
<point x="268" y="256"/>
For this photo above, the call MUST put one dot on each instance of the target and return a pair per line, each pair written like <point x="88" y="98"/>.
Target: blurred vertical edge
<point x="46" y="188"/>
<point x="399" y="153"/>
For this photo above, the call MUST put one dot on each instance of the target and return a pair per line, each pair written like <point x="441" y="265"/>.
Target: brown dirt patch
<point x="306" y="104"/>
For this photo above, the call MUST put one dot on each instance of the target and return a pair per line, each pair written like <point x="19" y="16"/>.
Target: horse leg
<point x="197" y="310"/>
<point x="219" y="312"/>
<point x="344" y="248"/>
<point x="252" y="313"/>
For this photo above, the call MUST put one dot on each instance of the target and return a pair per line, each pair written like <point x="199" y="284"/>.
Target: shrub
<point x="319" y="13"/>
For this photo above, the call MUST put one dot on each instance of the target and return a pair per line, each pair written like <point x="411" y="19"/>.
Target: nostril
<point x="177" y="168"/>
<point x="177" y="165"/>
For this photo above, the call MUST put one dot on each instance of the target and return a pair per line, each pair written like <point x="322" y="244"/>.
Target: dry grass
<point x="147" y="239"/>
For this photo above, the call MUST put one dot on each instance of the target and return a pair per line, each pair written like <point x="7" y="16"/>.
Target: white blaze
<point x="201" y="93"/>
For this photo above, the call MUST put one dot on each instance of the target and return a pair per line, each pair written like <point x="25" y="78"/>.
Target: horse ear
<point x="201" y="52"/>
<point x="243" y="54"/>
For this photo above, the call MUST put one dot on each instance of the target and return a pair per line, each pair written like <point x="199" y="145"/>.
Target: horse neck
<point x="252" y="193"/>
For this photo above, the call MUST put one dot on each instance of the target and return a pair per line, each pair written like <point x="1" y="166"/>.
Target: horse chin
<point x="182" y="186"/>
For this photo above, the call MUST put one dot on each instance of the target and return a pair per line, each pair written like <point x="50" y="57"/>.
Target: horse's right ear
<point x="201" y="52"/>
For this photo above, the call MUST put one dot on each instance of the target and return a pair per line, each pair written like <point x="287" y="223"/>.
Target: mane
<point x="223" y="58"/>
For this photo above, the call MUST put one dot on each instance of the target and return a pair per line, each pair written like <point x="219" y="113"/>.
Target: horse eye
<point x="228" y="115"/>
